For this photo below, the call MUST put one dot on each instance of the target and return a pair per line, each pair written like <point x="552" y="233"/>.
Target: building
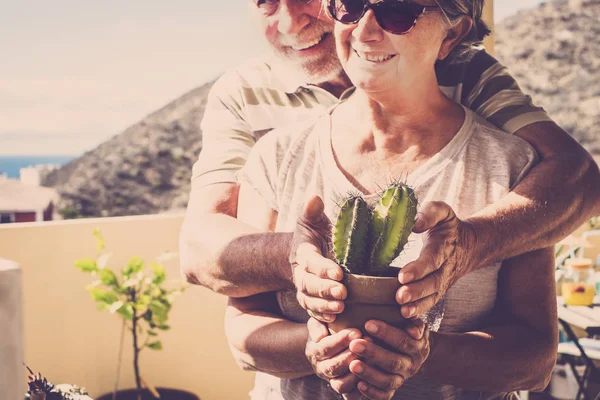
<point x="25" y="200"/>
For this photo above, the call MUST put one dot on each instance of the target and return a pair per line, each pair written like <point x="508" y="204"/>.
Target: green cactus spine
<point x="351" y="235"/>
<point x="393" y="220"/>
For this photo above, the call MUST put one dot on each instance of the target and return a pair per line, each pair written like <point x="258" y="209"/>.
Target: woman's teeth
<point x="374" y="57"/>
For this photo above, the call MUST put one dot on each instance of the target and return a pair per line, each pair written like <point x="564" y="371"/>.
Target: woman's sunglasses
<point x="394" y="16"/>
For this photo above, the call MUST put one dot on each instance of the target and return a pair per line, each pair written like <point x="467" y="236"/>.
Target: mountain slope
<point x="144" y="170"/>
<point x="554" y="53"/>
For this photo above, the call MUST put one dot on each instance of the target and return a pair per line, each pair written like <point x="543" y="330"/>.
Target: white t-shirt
<point x="476" y="168"/>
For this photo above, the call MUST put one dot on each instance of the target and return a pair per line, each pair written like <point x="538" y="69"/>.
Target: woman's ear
<point x="454" y="36"/>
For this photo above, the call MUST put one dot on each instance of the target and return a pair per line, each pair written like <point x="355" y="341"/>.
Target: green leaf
<point x="160" y="312"/>
<point x="122" y="308"/>
<point x="143" y="300"/>
<point x="102" y="295"/>
<point x="154" y="290"/>
<point x="155" y="345"/>
<point x="126" y="311"/>
<point x="159" y="274"/>
<point x="108" y="277"/>
<point x="115" y="306"/>
<point x="152" y="333"/>
<point x="164" y="327"/>
<point x="136" y="264"/>
<point x="86" y="265"/>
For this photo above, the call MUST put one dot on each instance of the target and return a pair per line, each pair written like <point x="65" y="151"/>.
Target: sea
<point x="11" y="165"/>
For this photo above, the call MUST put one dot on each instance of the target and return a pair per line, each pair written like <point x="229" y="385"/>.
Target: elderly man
<point x="301" y="79"/>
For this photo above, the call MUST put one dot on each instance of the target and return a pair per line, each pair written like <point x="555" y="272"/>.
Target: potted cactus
<point x="365" y="242"/>
<point x="143" y="301"/>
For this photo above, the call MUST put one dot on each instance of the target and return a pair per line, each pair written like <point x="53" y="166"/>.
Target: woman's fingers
<point x="381" y="380"/>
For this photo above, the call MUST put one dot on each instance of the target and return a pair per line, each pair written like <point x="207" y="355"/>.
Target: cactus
<point x="393" y="220"/>
<point x="366" y="241"/>
<point x="351" y="234"/>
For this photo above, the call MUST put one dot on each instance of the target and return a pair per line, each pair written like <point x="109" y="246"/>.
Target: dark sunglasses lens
<point x="346" y="11"/>
<point x="395" y="17"/>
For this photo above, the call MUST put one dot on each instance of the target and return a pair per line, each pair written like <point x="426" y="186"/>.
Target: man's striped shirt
<point x="249" y="101"/>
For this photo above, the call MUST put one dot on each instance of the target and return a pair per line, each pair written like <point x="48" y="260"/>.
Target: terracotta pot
<point x="369" y="298"/>
<point x="165" y="394"/>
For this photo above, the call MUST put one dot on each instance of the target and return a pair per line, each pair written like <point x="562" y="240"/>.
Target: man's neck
<point x="337" y="85"/>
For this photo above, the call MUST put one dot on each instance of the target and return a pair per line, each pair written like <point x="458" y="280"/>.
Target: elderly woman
<point x="496" y="331"/>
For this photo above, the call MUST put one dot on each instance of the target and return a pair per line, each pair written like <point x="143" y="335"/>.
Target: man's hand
<point x="316" y="277"/>
<point x="330" y="357"/>
<point x="445" y="257"/>
<point x="383" y="370"/>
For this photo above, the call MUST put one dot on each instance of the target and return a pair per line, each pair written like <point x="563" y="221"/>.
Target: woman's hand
<point x="315" y="276"/>
<point x="383" y="370"/>
<point x="330" y="357"/>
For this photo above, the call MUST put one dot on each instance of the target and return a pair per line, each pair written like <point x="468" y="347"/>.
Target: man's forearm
<point x="263" y="341"/>
<point x="500" y="359"/>
<point x="233" y="258"/>
<point x="555" y="198"/>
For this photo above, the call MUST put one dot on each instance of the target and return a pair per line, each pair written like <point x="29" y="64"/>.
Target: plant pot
<point x="369" y="297"/>
<point x="165" y="394"/>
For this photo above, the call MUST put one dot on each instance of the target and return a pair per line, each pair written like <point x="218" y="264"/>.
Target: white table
<point x="586" y="319"/>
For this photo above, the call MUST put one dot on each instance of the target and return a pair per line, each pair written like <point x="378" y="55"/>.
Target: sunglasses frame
<point x="417" y="8"/>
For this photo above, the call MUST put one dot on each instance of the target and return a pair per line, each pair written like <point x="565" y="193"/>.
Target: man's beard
<point x="316" y="68"/>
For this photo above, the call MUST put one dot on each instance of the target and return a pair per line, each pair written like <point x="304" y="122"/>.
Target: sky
<point x="73" y="73"/>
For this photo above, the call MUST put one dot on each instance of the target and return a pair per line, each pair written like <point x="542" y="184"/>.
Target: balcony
<point x="68" y="340"/>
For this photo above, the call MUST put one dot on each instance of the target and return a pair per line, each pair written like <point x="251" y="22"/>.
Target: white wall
<point x="67" y="339"/>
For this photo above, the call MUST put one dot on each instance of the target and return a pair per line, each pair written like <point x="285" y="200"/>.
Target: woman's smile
<point x="374" y="56"/>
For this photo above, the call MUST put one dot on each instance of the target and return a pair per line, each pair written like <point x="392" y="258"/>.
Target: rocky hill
<point x="554" y="53"/>
<point x="144" y="170"/>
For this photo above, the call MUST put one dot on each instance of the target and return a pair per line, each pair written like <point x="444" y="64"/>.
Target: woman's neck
<point x="423" y="119"/>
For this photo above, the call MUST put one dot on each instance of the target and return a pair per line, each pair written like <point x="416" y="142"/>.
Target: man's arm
<point x="554" y="199"/>
<point x="226" y="255"/>
<point x="518" y="350"/>
<point x="216" y="250"/>
<point x="261" y="340"/>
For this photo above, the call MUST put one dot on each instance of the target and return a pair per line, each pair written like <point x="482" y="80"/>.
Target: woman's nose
<point x="368" y="29"/>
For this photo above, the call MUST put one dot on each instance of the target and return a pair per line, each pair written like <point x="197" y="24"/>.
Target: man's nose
<point x="292" y="16"/>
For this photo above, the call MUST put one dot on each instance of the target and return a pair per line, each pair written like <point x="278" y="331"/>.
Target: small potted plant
<point x="143" y="301"/>
<point x="365" y="242"/>
<point x="39" y="388"/>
